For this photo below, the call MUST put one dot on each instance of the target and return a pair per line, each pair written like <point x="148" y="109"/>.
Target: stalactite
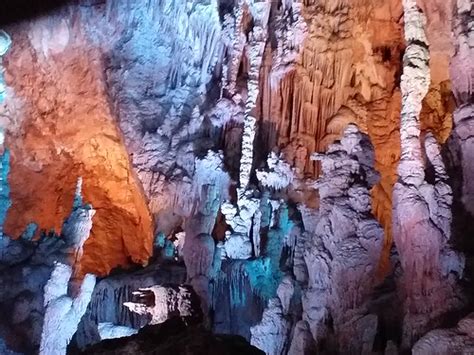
<point x="233" y="33"/>
<point x="257" y="41"/>
<point x="279" y="175"/>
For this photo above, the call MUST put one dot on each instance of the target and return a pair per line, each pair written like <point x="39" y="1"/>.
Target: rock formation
<point x="63" y="312"/>
<point x="294" y="172"/>
<point x="422" y="210"/>
<point x="164" y="303"/>
<point x="343" y="247"/>
<point x="447" y="341"/>
<point x="5" y="43"/>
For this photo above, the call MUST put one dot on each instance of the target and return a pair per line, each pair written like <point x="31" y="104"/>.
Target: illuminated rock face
<point x="59" y="127"/>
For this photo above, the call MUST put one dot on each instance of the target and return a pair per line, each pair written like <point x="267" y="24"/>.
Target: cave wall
<point x="169" y="111"/>
<point x="339" y="63"/>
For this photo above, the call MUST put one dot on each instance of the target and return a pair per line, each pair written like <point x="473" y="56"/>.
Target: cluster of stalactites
<point x="462" y="80"/>
<point x="290" y="31"/>
<point x="196" y="46"/>
<point x="462" y="63"/>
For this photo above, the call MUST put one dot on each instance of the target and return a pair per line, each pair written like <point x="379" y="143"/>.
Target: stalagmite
<point x="422" y="211"/>
<point x="341" y="253"/>
<point x="63" y="312"/>
<point x="271" y="333"/>
<point x="77" y="227"/>
<point x="199" y="247"/>
<point x="164" y="303"/>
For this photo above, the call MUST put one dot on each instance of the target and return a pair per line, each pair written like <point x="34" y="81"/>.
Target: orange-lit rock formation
<point x="60" y="127"/>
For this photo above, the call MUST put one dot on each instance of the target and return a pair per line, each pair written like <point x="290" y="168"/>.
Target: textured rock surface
<point x="448" y="341"/>
<point x="163" y="303"/>
<point x="192" y="124"/>
<point x="166" y="123"/>
<point x="48" y="71"/>
<point x="343" y="248"/>
<point x="63" y="312"/>
<point x="422" y="210"/>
